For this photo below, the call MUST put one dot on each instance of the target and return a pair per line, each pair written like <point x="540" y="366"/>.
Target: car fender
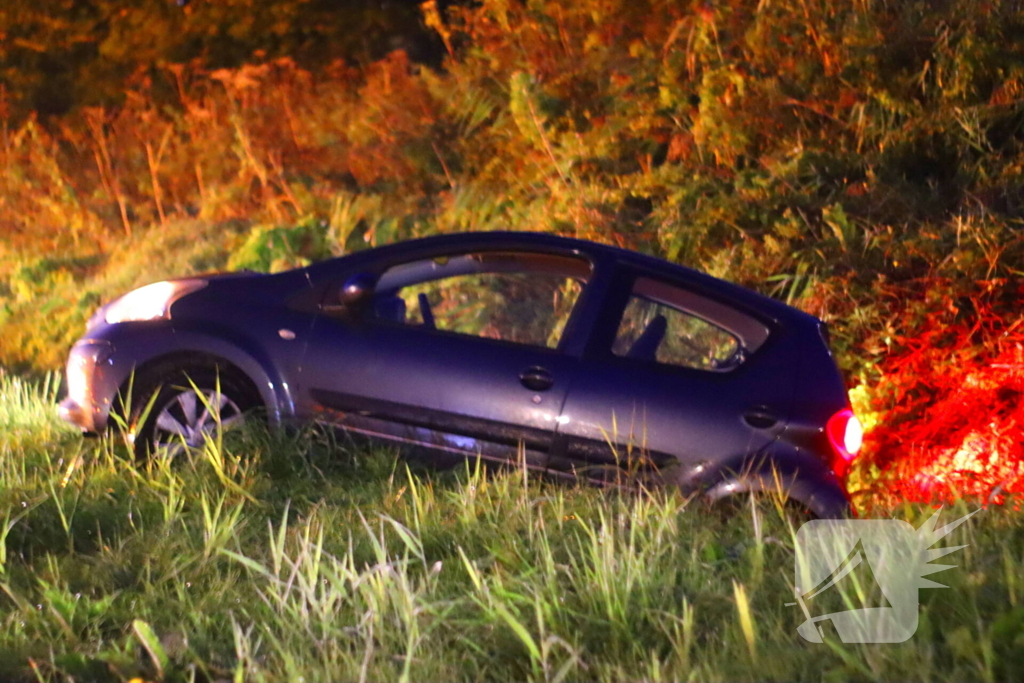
<point x="800" y="475"/>
<point x="276" y="393"/>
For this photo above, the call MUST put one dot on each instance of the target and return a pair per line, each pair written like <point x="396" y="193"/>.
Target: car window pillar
<point x="611" y="291"/>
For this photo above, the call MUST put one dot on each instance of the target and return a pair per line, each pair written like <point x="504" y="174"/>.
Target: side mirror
<point x="357" y="293"/>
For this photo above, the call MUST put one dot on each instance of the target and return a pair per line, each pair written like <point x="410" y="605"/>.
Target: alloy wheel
<point x="188" y="419"/>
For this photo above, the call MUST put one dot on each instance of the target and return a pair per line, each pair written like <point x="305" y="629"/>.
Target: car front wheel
<point x="183" y="408"/>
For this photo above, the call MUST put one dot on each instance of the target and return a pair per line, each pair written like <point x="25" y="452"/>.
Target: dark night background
<point x="60" y="54"/>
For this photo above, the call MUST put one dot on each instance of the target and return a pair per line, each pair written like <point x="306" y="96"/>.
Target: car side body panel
<point x="454" y="384"/>
<point x="437" y="388"/>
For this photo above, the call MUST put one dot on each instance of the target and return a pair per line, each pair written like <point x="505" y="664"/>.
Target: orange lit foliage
<point x="952" y="395"/>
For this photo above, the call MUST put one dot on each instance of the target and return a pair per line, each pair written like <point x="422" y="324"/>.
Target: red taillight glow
<point x="846" y="436"/>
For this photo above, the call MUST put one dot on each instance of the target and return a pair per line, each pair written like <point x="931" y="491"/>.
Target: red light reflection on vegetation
<point x="952" y="400"/>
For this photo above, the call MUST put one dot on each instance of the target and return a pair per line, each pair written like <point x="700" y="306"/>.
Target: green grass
<point x="299" y="557"/>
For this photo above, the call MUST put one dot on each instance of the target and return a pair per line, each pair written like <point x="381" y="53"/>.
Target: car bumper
<point x="88" y="402"/>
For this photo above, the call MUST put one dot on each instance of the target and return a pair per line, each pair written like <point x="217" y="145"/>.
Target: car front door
<point x="676" y="383"/>
<point x="458" y="353"/>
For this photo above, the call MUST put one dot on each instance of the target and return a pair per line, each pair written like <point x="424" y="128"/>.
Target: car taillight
<point x="846" y="436"/>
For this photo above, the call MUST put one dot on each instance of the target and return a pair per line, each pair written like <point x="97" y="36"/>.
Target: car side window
<point x="663" y="323"/>
<point x="524" y="298"/>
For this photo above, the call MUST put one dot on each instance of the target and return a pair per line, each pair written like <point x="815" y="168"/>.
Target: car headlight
<point x="151" y="302"/>
<point x="79" y="372"/>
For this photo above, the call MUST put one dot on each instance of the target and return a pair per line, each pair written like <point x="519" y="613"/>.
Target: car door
<point x="676" y="382"/>
<point x="458" y="353"/>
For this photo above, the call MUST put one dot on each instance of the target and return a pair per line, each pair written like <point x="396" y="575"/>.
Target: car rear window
<point x="675" y="326"/>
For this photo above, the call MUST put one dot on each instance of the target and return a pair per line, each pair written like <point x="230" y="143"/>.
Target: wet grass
<point x="299" y="557"/>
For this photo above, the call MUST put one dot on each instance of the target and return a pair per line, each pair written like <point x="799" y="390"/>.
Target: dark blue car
<point x="583" y="359"/>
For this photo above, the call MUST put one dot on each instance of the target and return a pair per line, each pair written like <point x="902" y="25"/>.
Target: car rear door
<point x="675" y="377"/>
<point x="460" y="353"/>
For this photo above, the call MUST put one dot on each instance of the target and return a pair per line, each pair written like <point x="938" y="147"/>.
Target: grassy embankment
<point x="295" y="558"/>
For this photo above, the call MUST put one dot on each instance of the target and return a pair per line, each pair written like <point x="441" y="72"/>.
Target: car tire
<point x="170" y="406"/>
<point x="738" y="505"/>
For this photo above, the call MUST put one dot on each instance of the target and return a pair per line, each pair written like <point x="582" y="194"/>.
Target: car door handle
<point x="760" y="419"/>
<point x="536" y="378"/>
